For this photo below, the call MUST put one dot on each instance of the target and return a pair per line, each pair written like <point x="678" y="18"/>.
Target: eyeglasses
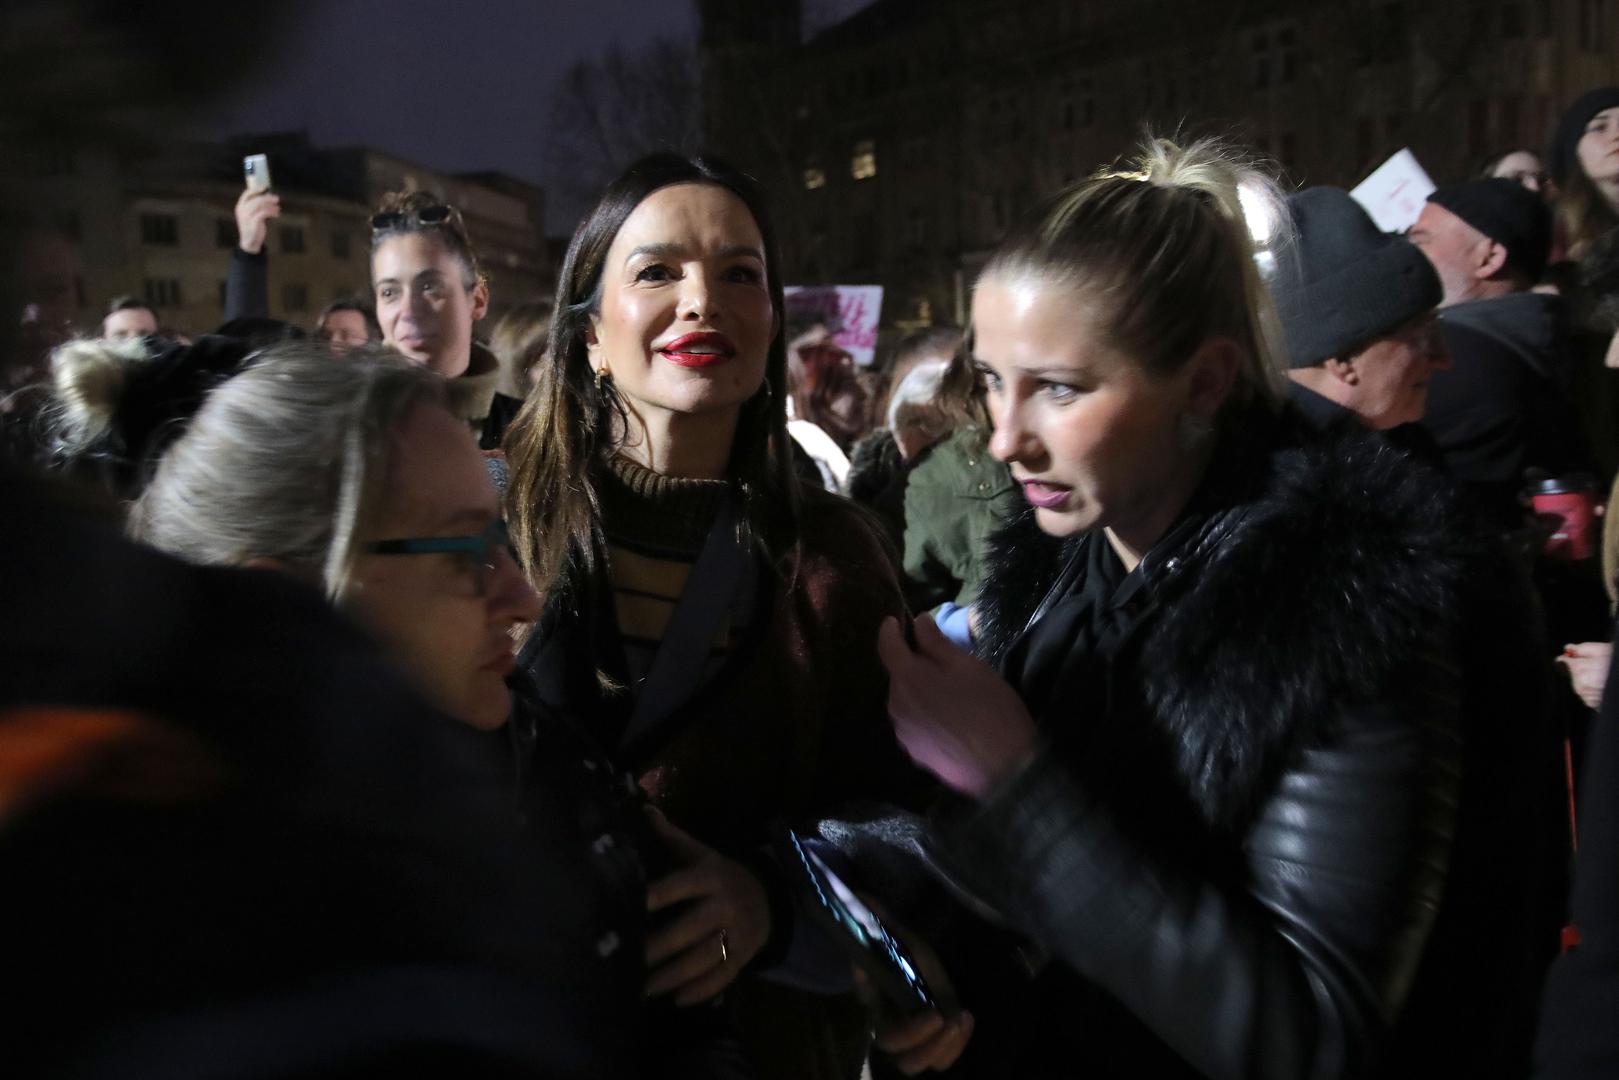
<point x="398" y="219"/>
<point x="481" y="552"/>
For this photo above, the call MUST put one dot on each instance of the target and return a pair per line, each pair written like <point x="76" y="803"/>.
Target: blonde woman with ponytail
<point x="1207" y="741"/>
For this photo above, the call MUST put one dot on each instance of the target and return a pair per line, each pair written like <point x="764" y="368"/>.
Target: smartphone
<point x="256" y="169"/>
<point x="868" y="942"/>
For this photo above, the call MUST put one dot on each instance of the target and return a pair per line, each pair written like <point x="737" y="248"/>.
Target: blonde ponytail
<point x="1168" y="245"/>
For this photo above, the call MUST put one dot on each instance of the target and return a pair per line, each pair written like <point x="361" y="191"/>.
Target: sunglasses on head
<point x="395" y="219"/>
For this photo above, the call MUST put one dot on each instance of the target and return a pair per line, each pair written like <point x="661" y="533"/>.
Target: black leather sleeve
<point x="1298" y="971"/>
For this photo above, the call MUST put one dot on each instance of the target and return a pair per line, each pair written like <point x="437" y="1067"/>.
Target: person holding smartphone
<point x="704" y="610"/>
<point x="1211" y="771"/>
<point x="342" y="324"/>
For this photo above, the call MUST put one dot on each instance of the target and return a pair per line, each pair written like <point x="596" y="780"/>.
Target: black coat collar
<point x="1318" y="570"/>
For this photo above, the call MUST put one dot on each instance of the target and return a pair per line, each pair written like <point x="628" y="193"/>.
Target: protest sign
<point x="1395" y="192"/>
<point x="850" y="311"/>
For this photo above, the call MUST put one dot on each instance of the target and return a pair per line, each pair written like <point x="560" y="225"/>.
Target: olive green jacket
<point x="955" y="497"/>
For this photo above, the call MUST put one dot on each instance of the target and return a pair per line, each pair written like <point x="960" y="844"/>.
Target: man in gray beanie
<point x="1357" y="308"/>
<point x="1503" y="407"/>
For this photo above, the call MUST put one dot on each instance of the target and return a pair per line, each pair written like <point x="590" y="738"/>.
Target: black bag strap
<point x="710" y="592"/>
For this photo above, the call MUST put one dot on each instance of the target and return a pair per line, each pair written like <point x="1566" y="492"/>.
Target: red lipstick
<point x="699" y="350"/>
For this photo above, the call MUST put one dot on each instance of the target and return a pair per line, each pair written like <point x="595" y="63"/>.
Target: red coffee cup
<point x="1569" y="504"/>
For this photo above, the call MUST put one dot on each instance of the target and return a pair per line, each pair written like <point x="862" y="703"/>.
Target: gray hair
<point x="285" y="461"/>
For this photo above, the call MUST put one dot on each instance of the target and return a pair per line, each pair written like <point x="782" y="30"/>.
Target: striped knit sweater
<point x="655" y="527"/>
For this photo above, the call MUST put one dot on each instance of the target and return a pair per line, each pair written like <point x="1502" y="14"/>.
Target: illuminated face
<point x="1456" y="249"/>
<point x="343" y="330"/>
<point x="686" y="319"/>
<point x="1598" y="148"/>
<point x="445" y="619"/>
<point x="129" y="323"/>
<point x="423" y="302"/>
<point x="1090" y="435"/>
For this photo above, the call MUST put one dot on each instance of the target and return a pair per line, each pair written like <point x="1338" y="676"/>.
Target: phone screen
<point x="869" y="941"/>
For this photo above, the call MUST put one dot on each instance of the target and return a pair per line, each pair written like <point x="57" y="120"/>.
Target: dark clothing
<point x="1578" y="1039"/>
<point x="791" y="729"/>
<point x="247" y="285"/>
<point x="588" y="818"/>
<point x="1504" y="406"/>
<point x="502" y="411"/>
<point x="1235" y="836"/>
<point x="1321" y="413"/>
<point x="234" y="840"/>
<point x="877" y="479"/>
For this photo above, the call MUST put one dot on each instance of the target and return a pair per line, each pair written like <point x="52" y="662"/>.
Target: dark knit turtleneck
<point x="665" y="513"/>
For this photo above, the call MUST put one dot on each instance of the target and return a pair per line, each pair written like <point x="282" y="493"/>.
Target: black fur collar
<point x="1343" y="564"/>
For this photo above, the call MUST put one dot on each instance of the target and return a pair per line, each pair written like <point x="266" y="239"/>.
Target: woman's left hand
<point x="723" y="925"/>
<point x="953" y="714"/>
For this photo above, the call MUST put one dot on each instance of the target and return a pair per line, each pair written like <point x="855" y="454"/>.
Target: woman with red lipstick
<point x="1208" y="750"/>
<point x="706" y="617"/>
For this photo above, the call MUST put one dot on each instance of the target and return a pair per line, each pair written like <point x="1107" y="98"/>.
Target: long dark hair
<point x="565" y="431"/>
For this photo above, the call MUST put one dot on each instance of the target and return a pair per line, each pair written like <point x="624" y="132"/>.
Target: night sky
<point x="456" y="87"/>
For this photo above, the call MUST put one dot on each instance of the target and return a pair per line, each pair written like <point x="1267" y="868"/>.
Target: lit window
<point x="863" y="164"/>
<point x="814" y="178"/>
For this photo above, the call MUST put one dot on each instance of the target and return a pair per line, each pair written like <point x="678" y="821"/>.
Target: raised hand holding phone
<point x="256" y="205"/>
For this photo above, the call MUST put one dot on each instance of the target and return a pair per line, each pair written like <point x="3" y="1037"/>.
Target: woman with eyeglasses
<point x="355" y="477"/>
<point x="707" y="618"/>
<point x="430" y="291"/>
<point x="361" y="480"/>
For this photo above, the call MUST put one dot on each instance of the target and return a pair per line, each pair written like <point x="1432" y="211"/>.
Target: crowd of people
<point x="1196" y="662"/>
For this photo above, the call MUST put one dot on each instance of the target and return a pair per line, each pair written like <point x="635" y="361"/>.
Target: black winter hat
<point x="1572" y="126"/>
<point x="1341" y="282"/>
<point x="1508" y="213"/>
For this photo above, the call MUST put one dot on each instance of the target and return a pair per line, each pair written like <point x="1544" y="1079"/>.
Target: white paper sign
<point x="854" y="309"/>
<point x="1395" y="192"/>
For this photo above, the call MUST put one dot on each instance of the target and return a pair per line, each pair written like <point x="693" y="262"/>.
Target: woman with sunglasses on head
<point x="1212" y="774"/>
<point x="708" y="618"/>
<point x="430" y="291"/>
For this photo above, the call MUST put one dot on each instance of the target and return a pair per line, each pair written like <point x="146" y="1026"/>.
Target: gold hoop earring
<point x="601" y="376"/>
